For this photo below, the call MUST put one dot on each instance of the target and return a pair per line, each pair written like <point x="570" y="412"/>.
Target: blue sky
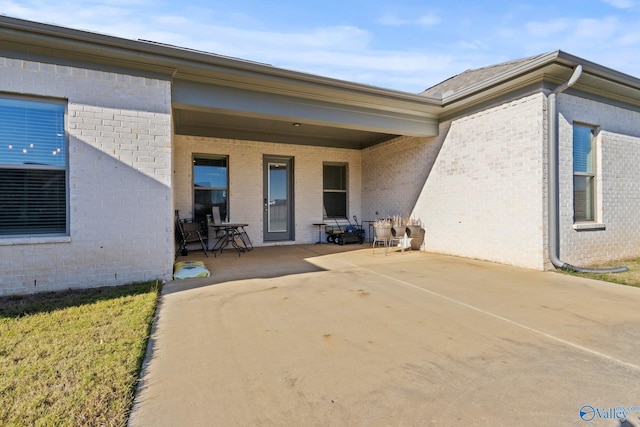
<point x="406" y="45"/>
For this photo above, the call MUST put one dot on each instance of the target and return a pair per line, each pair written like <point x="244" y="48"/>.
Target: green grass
<point x="73" y="358"/>
<point x="629" y="278"/>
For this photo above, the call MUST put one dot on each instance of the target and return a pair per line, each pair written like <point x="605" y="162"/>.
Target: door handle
<point x="266" y="205"/>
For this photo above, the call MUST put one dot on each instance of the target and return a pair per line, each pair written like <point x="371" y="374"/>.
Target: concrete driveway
<point x="314" y="335"/>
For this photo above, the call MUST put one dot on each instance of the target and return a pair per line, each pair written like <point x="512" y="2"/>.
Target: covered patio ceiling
<point x="217" y="124"/>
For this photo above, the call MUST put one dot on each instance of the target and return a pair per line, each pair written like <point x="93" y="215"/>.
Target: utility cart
<point x="346" y="233"/>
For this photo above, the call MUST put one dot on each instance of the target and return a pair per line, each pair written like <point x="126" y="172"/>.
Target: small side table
<point x="369" y="230"/>
<point x="320" y="225"/>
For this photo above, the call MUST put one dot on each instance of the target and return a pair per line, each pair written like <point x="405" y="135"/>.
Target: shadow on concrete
<point x="260" y="263"/>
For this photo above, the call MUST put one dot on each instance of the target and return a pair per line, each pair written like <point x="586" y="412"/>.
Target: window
<point x="33" y="168"/>
<point x="210" y="186"/>
<point x="335" y="190"/>
<point x="584" y="173"/>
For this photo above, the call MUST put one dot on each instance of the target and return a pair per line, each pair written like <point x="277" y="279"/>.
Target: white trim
<point x="582" y="226"/>
<point x="9" y="241"/>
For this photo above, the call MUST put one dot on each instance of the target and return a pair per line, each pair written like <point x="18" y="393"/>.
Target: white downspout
<point x="553" y="190"/>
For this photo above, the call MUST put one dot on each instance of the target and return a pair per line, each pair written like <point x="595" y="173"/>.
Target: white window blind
<point x="33" y="168"/>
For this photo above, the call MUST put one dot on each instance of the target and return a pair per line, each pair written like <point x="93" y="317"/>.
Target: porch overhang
<point x="205" y="109"/>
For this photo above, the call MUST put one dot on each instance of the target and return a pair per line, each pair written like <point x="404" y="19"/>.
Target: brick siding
<point x="119" y="129"/>
<point x="618" y="182"/>
<point x="477" y="187"/>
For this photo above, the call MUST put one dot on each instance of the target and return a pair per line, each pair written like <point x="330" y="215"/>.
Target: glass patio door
<point x="278" y="198"/>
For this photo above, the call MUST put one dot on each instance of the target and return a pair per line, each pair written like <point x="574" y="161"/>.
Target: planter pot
<point x="417" y="236"/>
<point x="382" y="232"/>
<point x="399" y="231"/>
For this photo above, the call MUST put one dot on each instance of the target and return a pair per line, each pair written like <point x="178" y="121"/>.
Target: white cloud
<point x="340" y="37"/>
<point x="542" y="29"/>
<point x="392" y="20"/>
<point x="257" y="44"/>
<point x="473" y="45"/>
<point x="426" y="20"/>
<point x="429" y="20"/>
<point x="411" y="72"/>
<point x="171" y="20"/>
<point x="630" y="39"/>
<point x="621" y="4"/>
<point x="102" y="17"/>
<point x="571" y="35"/>
<point x="396" y="61"/>
<point x="601" y="29"/>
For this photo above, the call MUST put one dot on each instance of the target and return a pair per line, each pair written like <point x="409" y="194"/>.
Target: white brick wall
<point x="618" y="182"/>
<point x="483" y="197"/>
<point x="394" y="174"/>
<point x="484" y="187"/>
<point x="245" y="181"/>
<point x="119" y="130"/>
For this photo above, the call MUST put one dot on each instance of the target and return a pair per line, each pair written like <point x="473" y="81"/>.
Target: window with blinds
<point x="33" y="168"/>
<point x="583" y="173"/>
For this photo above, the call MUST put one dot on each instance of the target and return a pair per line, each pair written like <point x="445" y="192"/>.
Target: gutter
<point x="554" y="211"/>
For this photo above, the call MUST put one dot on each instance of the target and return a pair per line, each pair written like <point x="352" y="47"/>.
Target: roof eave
<point x="554" y="67"/>
<point x="186" y="64"/>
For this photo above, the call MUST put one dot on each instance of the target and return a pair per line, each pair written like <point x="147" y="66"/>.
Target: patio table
<point x="229" y="233"/>
<point x="319" y="225"/>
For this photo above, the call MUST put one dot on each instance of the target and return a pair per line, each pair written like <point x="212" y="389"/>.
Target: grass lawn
<point x="630" y="278"/>
<point x="73" y="358"/>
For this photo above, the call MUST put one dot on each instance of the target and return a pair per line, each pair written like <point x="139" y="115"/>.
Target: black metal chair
<point x="188" y="231"/>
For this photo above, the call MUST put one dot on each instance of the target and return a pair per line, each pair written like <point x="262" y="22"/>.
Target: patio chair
<point x="215" y="212"/>
<point x="188" y="231"/>
<point x="399" y="236"/>
<point x="216" y="235"/>
<point x="381" y="235"/>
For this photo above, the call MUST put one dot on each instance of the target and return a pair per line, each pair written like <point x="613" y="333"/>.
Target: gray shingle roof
<point x="473" y="77"/>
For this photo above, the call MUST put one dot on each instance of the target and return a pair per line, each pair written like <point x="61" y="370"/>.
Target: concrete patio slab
<point x="320" y="335"/>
